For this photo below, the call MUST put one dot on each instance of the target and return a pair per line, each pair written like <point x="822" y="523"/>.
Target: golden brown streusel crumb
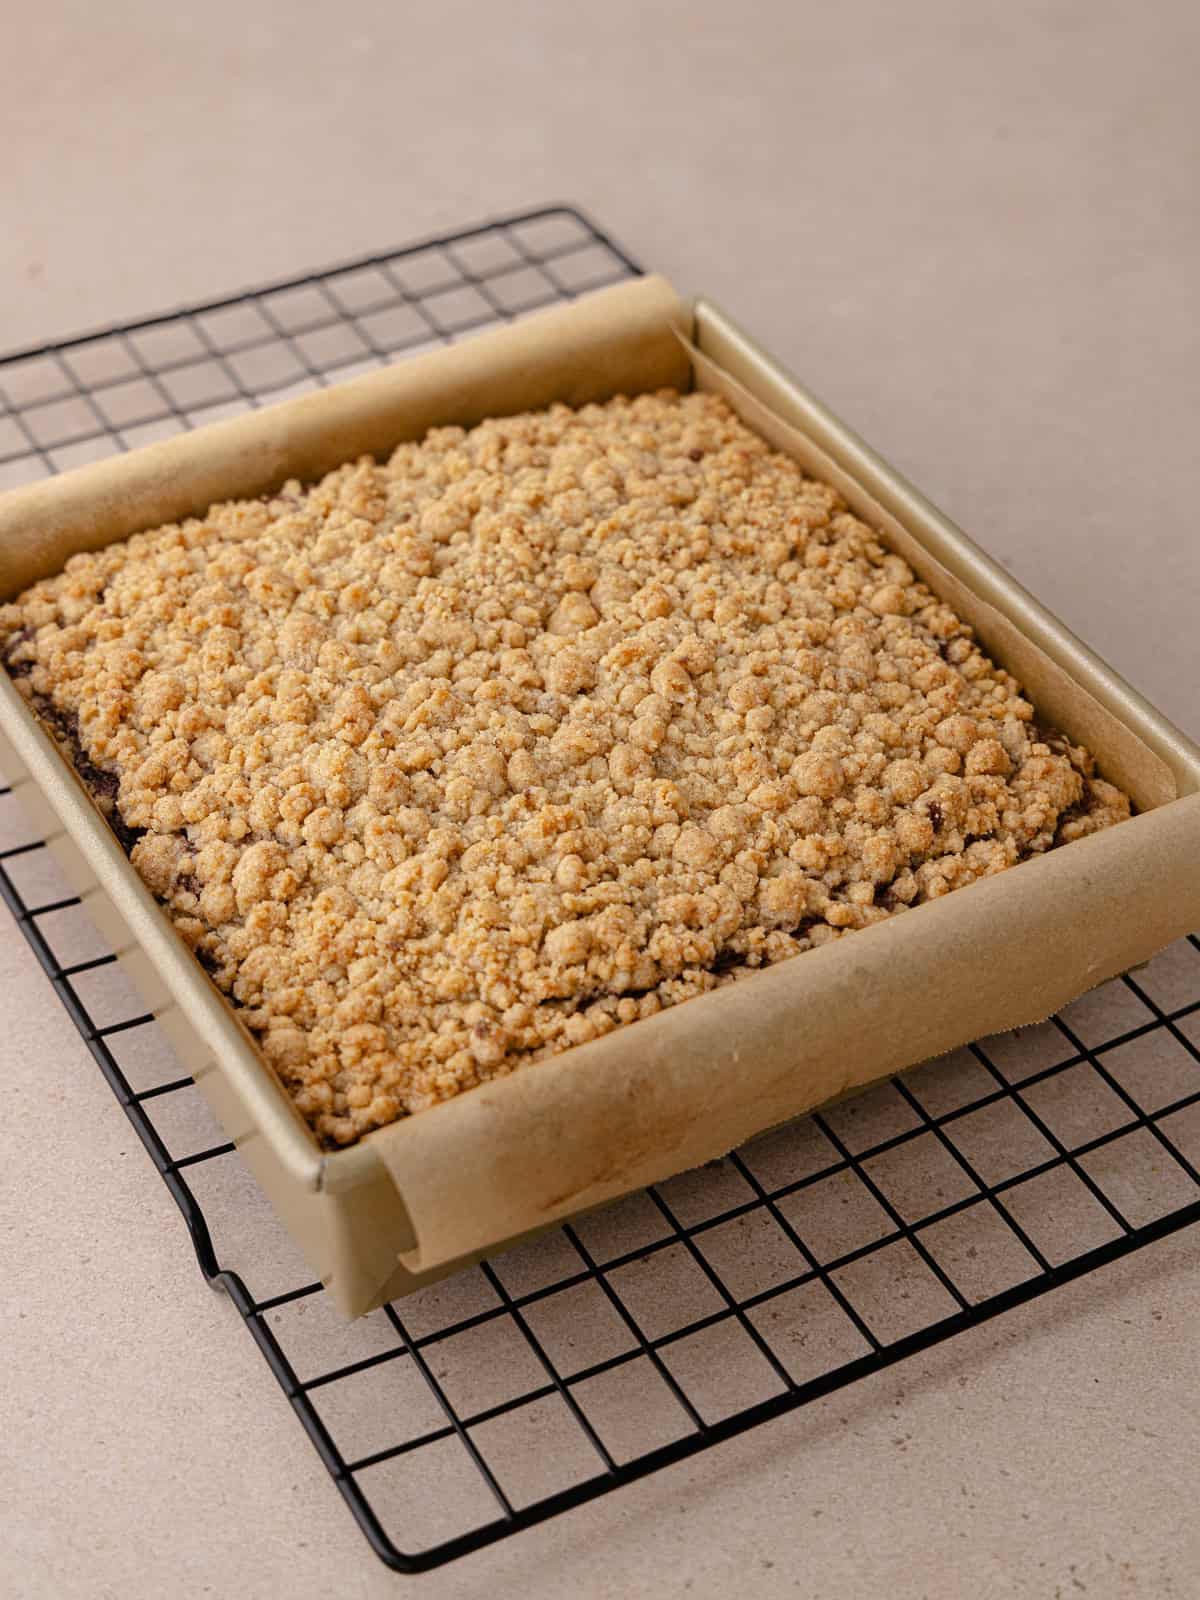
<point x="445" y="765"/>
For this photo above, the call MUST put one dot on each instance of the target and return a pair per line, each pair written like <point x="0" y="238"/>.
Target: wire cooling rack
<point x="653" y="1329"/>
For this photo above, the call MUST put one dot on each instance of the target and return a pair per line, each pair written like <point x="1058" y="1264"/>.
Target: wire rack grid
<point x="653" y="1329"/>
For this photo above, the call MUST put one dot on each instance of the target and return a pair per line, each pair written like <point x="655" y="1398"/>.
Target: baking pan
<point x="414" y="1201"/>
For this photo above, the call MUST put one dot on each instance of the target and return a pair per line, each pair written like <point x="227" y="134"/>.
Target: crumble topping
<point x="444" y="765"/>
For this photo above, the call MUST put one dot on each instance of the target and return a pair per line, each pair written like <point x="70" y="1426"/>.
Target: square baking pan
<point x="415" y="1201"/>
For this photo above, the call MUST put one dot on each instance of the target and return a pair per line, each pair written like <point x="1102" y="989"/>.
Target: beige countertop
<point x="977" y="235"/>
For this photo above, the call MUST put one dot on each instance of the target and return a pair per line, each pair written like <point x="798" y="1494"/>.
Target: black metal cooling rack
<point x="651" y="1330"/>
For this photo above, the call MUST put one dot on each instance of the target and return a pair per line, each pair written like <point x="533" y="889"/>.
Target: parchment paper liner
<point x="663" y="1095"/>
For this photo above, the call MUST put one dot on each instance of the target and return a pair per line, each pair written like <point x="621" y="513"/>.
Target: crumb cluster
<point x="444" y="765"/>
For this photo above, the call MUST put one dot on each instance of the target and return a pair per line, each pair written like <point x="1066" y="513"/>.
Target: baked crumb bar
<point x="444" y="765"/>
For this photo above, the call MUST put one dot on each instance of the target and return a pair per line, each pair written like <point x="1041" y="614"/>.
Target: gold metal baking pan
<point x="413" y="1201"/>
